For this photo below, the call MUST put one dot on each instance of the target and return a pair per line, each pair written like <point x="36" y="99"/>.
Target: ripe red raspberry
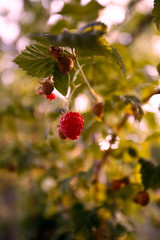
<point x="142" y="198"/>
<point x="61" y="135"/>
<point x="71" y="125"/>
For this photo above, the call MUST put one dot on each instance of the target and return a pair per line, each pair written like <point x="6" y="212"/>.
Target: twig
<point x="70" y="96"/>
<point x="146" y="99"/>
<point x="93" y="93"/>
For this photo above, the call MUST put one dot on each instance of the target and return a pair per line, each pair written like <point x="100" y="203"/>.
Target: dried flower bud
<point x="119" y="184"/>
<point x="142" y="198"/>
<point x="98" y="109"/>
<point x="46" y="87"/>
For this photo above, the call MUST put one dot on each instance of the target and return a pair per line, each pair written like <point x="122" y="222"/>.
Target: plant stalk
<point x="93" y="93"/>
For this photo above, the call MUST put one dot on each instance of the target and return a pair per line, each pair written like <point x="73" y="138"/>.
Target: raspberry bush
<point x="79" y="138"/>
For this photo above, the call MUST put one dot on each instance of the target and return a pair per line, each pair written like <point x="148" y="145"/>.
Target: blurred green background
<point x="47" y="190"/>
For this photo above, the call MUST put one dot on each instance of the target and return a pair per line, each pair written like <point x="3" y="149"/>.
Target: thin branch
<point x="93" y="93"/>
<point x="70" y="96"/>
<point x="146" y="99"/>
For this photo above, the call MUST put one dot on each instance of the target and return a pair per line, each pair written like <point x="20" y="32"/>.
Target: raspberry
<point x="142" y="198"/>
<point x="71" y="125"/>
<point x="61" y="135"/>
<point x="65" y="64"/>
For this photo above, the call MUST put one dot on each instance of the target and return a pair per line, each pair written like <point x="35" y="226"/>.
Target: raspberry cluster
<point x="71" y="125"/>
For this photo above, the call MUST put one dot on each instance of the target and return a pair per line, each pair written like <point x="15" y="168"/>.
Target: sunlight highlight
<point x="104" y="143"/>
<point x="155" y="43"/>
<point x="112" y="14"/>
<point x="81" y="103"/>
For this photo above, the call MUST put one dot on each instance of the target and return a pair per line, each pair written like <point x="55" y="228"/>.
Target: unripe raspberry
<point x="119" y="184"/>
<point x="98" y="109"/>
<point x="65" y="63"/>
<point x="46" y="87"/>
<point x="71" y="125"/>
<point x="142" y="198"/>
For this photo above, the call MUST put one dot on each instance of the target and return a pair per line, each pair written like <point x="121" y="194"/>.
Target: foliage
<point x="150" y="174"/>
<point x="53" y="188"/>
<point x="156" y="13"/>
<point x="36" y="60"/>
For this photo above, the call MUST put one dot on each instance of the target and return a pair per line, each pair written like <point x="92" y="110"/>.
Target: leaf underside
<point x="36" y="61"/>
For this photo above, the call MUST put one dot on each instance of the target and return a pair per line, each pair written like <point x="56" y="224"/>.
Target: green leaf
<point x="36" y="61"/>
<point x="59" y="26"/>
<point x="86" y="13"/>
<point x="156" y="13"/>
<point x="132" y="152"/>
<point x="64" y="185"/>
<point x="153" y="136"/>
<point x="85" y="38"/>
<point x="155" y="153"/>
<point x="151" y="119"/>
<point x="136" y="105"/>
<point x="60" y="80"/>
<point x="150" y="174"/>
<point x="158" y="68"/>
<point x="116" y="57"/>
<point x="84" y="220"/>
<point x="118" y="60"/>
<point x="86" y="176"/>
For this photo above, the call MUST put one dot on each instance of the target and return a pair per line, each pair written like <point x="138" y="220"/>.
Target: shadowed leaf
<point x="150" y="174"/>
<point x="156" y="13"/>
<point x="60" y="80"/>
<point x="136" y="109"/>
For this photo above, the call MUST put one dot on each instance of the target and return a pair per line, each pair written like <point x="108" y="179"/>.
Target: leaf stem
<point x="93" y="93"/>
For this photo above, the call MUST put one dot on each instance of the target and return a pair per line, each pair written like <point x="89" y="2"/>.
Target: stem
<point x="93" y="93"/>
<point x="157" y="91"/>
<point x="70" y="96"/>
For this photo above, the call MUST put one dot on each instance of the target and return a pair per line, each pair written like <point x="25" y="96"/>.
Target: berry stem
<point x="93" y="93"/>
<point x="70" y="96"/>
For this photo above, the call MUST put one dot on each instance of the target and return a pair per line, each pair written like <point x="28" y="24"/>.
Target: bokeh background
<point x="37" y="169"/>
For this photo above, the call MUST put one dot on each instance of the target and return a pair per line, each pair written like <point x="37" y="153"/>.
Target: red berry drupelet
<point x="51" y="96"/>
<point x="71" y="125"/>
